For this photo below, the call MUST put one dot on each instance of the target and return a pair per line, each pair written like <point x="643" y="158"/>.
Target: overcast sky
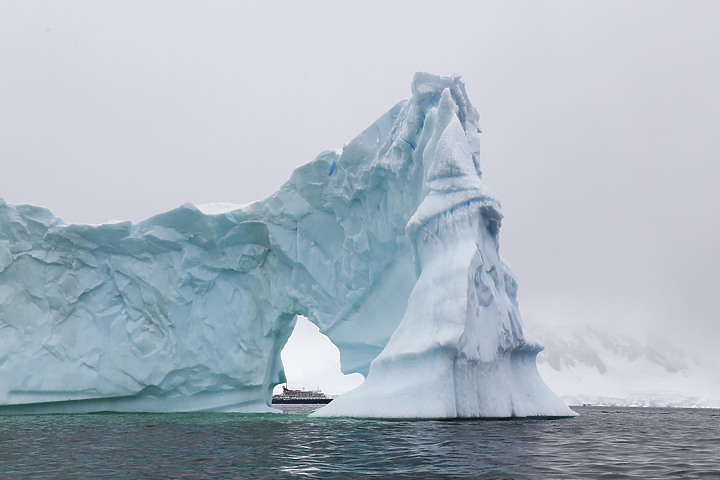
<point x="601" y="125"/>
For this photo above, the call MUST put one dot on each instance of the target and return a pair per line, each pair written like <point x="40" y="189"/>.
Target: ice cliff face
<point x="389" y="245"/>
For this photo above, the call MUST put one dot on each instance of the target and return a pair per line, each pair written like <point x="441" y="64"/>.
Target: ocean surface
<point x="601" y="443"/>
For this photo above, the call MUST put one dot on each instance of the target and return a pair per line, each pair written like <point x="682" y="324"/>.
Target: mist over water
<point x="600" y="443"/>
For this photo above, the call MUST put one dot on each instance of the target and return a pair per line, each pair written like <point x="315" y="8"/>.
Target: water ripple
<point x="602" y="443"/>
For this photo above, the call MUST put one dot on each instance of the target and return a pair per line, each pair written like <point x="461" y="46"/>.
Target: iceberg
<point x="389" y="245"/>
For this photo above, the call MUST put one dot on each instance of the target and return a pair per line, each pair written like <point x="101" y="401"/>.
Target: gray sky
<point x="600" y="123"/>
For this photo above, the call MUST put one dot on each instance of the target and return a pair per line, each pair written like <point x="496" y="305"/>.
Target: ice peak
<point x="451" y="168"/>
<point x="452" y="176"/>
<point x="428" y="91"/>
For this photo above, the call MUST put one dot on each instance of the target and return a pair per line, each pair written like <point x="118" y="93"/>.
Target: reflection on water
<point x="600" y="443"/>
<point x="297" y="408"/>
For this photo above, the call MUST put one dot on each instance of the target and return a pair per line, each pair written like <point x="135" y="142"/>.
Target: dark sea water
<point x="602" y="443"/>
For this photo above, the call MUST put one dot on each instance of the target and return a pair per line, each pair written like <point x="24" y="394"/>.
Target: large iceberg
<point x="389" y="245"/>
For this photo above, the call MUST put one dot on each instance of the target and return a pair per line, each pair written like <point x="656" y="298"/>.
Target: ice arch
<point x="387" y="245"/>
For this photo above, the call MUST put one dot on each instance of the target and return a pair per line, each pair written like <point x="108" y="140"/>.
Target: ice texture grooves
<point x="389" y="245"/>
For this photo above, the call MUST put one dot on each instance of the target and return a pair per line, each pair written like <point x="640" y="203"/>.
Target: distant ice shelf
<point x="389" y="245"/>
<point x="591" y="364"/>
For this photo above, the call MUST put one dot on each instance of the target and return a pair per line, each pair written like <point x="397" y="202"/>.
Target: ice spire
<point x="460" y="349"/>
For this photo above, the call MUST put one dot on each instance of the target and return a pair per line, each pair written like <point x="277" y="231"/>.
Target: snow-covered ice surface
<point x="389" y="246"/>
<point x="218" y="208"/>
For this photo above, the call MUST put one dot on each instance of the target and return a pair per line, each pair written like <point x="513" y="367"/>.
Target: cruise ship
<point x="300" y="396"/>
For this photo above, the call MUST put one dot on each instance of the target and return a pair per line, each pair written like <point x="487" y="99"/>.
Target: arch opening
<point x="312" y="362"/>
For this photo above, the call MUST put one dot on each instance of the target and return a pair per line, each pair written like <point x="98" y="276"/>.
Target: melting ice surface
<point x="389" y="246"/>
